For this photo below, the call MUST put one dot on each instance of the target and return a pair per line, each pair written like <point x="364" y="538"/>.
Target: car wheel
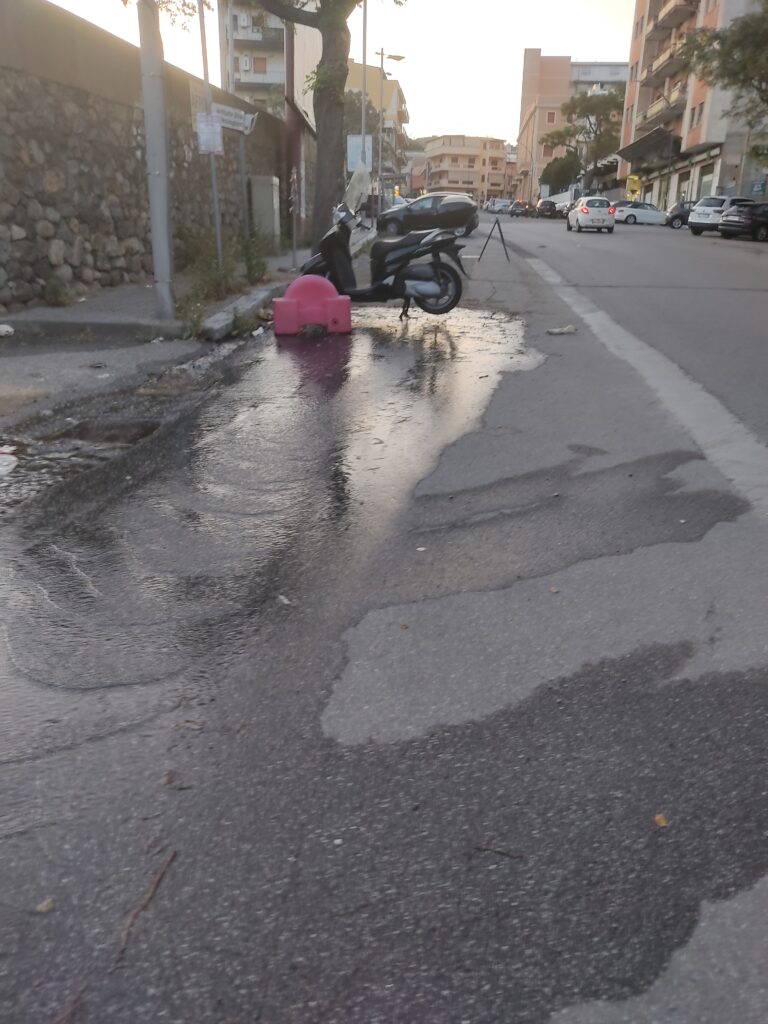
<point x="676" y="223"/>
<point x="392" y="229"/>
<point x="761" y="234"/>
<point x="609" y="230"/>
<point x="568" y="225"/>
<point x="631" y="219"/>
<point x="578" y="226"/>
<point x="696" y="231"/>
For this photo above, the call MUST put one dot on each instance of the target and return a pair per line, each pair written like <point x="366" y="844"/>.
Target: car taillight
<point x="585" y="209"/>
<point x="612" y="210"/>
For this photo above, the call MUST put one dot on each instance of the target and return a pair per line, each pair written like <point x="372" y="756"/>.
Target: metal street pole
<point x="390" y="56"/>
<point x="212" y="156"/>
<point x="158" y="160"/>
<point x="365" y="58"/>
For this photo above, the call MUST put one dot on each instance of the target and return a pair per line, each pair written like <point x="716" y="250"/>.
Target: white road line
<point x="725" y="440"/>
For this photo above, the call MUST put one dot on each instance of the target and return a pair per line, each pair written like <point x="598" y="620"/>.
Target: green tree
<point x="736" y="58"/>
<point x="593" y="129"/>
<point x="562" y="172"/>
<point x="352" y="124"/>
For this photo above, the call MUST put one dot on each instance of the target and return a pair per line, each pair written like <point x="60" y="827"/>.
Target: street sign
<point x="210" y="137"/>
<point x="233" y="118"/>
<point x="355" y="152"/>
<point x="758" y="187"/>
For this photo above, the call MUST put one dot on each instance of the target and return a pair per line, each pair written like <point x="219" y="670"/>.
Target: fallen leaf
<point x="45" y="907"/>
<point x="554" y="590"/>
<point x="169" y="778"/>
<point x="661" y="820"/>
<point x="404" y="625"/>
<point x="569" y="329"/>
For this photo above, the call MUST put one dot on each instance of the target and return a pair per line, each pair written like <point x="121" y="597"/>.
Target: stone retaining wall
<point x="73" y="191"/>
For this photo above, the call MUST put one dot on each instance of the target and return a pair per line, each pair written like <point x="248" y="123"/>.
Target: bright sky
<point x="462" y="67"/>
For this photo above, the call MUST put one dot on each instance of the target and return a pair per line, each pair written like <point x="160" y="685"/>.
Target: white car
<point x="499" y="205"/>
<point x="640" y="213"/>
<point x="593" y="213"/>
<point x="706" y="214"/>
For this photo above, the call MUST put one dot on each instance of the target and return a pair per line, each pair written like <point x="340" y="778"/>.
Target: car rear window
<point x="713" y="201"/>
<point x="602" y="204"/>
<point x="454" y="202"/>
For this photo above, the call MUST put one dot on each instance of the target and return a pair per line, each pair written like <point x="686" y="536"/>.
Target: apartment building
<point x="466" y="163"/>
<point x="253" y="57"/>
<point x="677" y="140"/>
<point x="383" y="93"/>
<point x="548" y="83"/>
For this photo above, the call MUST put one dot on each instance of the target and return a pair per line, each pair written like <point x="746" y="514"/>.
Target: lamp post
<point x="363" y="102"/>
<point x="389" y="56"/>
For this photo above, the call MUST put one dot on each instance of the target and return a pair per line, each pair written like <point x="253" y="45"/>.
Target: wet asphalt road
<point x="416" y="677"/>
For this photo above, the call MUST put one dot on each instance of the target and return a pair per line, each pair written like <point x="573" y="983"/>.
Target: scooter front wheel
<point x="450" y="292"/>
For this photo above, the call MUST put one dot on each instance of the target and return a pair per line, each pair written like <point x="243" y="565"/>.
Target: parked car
<point x="640" y="213"/>
<point x="435" y="210"/>
<point x="499" y="205"/>
<point x="706" y="214"/>
<point x="678" y="214"/>
<point x="745" y="219"/>
<point x="591" y="213"/>
<point x="521" y="208"/>
<point x="546" y="208"/>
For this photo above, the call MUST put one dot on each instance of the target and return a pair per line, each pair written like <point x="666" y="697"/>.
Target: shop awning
<point x="657" y="145"/>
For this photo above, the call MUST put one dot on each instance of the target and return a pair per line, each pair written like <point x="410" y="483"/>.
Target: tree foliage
<point x="562" y="172"/>
<point x="736" y="58"/>
<point x="593" y="129"/>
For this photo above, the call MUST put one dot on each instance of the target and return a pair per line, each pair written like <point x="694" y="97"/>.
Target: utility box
<point x="264" y="194"/>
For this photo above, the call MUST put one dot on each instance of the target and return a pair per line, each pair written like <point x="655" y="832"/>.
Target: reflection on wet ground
<point x="150" y="574"/>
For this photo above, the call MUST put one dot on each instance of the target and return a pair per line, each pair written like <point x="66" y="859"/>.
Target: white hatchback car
<point x="593" y="213"/>
<point x="706" y="214"/>
<point x="640" y="213"/>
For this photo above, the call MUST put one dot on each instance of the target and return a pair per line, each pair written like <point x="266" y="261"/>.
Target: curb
<point x="220" y="325"/>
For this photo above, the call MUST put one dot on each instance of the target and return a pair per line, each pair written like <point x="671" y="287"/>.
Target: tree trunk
<point x="329" y="117"/>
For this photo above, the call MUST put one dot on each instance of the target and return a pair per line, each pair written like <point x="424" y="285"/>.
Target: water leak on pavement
<point x="148" y="573"/>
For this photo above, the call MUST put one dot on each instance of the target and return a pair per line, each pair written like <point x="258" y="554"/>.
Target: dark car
<point x="749" y="220"/>
<point x="434" y="210"/>
<point x="520" y="208"/>
<point x="546" y="208"/>
<point x="678" y="214"/>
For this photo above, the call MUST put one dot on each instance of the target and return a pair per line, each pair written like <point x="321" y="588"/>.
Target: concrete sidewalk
<point x="128" y="312"/>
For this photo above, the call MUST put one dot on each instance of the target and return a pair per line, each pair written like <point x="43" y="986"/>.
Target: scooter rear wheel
<point x="450" y="292"/>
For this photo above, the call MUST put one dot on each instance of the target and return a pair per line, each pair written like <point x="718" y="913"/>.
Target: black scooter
<point x="435" y="286"/>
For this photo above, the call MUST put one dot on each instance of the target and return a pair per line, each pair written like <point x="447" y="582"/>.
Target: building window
<point x="255" y="23"/>
<point x="551" y="116"/>
<point x="237" y="65"/>
<point x="259" y="65"/>
<point x="548" y="151"/>
<point x="234" y="23"/>
<point x="454" y="159"/>
<point x="699" y="114"/>
<point x="245" y="63"/>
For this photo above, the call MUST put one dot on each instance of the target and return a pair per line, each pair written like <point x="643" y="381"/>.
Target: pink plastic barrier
<point x="312" y="300"/>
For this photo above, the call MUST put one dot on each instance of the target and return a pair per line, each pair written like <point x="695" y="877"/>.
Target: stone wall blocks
<point x="56" y="252"/>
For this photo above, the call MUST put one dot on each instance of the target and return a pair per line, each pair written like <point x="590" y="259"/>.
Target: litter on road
<point x="6" y="331"/>
<point x="569" y="329"/>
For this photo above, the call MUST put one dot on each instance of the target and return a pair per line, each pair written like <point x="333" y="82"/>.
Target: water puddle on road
<point x="314" y="440"/>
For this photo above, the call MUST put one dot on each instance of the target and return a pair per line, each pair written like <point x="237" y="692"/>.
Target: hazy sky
<point x="462" y="64"/>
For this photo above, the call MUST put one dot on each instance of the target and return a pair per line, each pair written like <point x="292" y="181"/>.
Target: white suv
<point x="706" y="214"/>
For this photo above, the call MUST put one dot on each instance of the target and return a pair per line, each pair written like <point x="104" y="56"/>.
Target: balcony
<point x="664" y="109"/>
<point x="254" y="80"/>
<point x="263" y="39"/>
<point x="668" y="63"/>
<point x="675" y="12"/>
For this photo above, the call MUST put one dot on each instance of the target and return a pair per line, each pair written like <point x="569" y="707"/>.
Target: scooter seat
<point x="385" y="245"/>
